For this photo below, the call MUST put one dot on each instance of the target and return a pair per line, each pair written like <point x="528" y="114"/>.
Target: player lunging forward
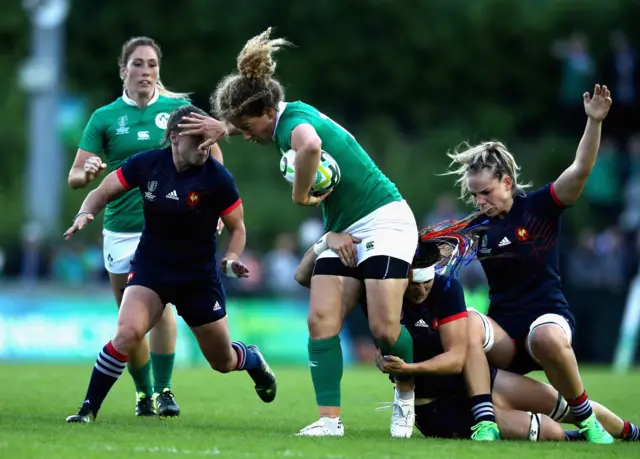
<point x="132" y="123"/>
<point x="185" y="192"/>
<point x="365" y="203"/>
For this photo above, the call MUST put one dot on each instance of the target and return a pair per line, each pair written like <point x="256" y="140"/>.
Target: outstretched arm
<point x="112" y="187"/>
<point x="571" y="182"/>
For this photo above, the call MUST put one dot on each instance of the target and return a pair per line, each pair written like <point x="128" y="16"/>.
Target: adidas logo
<point x="216" y="307"/>
<point x="173" y="195"/>
<point x="504" y="242"/>
<point x="421" y="323"/>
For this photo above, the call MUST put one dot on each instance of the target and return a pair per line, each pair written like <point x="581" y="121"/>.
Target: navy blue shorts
<point x="198" y="302"/>
<point x="447" y="417"/>
<point x="517" y="327"/>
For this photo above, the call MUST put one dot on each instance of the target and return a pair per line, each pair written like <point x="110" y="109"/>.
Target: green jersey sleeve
<point x="283" y="133"/>
<point x="92" y="137"/>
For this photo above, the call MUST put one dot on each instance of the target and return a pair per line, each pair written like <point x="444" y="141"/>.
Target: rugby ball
<point x="327" y="176"/>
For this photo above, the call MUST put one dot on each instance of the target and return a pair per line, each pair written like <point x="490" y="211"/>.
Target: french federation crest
<point x="193" y="199"/>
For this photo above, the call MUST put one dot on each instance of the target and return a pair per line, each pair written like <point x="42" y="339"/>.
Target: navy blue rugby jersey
<point x="519" y="254"/>
<point x="442" y="306"/>
<point x="181" y="211"/>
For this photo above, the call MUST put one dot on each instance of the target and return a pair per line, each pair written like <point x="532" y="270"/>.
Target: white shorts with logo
<point x="390" y="231"/>
<point x="118" y="250"/>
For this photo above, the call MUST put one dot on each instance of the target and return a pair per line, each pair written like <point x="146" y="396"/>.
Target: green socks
<point x="325" y="362"/>
<point x="402" y="348"/>
<point x="142" y="378"/>
<point x="162" y="365"/>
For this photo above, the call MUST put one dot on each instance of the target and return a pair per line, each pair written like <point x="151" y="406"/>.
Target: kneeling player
<point x="466" y="364"/>
<point x="185" y="192"/>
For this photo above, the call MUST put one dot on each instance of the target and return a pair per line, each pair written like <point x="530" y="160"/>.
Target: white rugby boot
<point x="324" y="427"/>
<point x="403" y="417"/>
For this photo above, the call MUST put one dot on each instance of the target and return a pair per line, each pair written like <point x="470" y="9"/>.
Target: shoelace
<point x="317" y="424"/>
<point x="391" y="405"/>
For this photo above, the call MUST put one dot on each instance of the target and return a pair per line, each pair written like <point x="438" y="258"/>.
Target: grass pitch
<point x="223" y="417"/>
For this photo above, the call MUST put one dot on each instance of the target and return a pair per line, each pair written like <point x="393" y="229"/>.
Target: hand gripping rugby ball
<point x="327" y="176"/>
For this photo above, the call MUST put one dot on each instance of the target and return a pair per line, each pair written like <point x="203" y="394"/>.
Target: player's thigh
<point x="517" y="392"/>
<point x="480" y="330"/>
<point x="141" y="308"/>
<point x="335" y="290"/>
<point x="384" y="306"/>
<point x="500" y="349"/>
<point x="522" y="425"/>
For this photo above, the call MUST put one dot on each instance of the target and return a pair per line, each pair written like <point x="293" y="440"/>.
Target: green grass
<point x="222" y="416"/>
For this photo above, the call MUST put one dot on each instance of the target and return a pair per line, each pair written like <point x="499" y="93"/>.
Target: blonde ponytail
<point x="252" y="88"/>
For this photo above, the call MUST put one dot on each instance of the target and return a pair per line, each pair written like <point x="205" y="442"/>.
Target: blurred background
<point x="410" y="82"/>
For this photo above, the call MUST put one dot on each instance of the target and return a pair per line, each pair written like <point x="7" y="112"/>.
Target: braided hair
<point x="449" y="246"/>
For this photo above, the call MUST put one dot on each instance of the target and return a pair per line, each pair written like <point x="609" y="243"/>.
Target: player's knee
<point x="222" y="367"/>
<point x="548" y="341"/>
<point x="222" y="363"/>
<point x="127" y="337"/>
<point x="322" y="325"/>
<point x="385" y="332"/>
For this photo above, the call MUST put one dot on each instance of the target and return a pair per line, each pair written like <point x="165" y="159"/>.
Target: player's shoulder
<point x="172" y="102"/>
<point x="532" y="194"/>
<point x="148" y="156"/>
<point x="445" y="285"/>
<point x="110" y="108"/>
<point x="215" y="168"/>
<point x="299" y="109"/>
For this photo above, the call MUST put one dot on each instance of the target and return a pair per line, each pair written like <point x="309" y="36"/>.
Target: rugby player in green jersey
<point x="364" y="204"/>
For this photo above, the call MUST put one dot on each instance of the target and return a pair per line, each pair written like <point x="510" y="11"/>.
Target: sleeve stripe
<point x="123" y="181"/>
<point x="232" y="207"/>
<point x="446" y="320"/>
<point x="555" y="196"/>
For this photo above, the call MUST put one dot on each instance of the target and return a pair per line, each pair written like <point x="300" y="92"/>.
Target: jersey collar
<point x="129" y="101"/>
<point x="281" y="107"/>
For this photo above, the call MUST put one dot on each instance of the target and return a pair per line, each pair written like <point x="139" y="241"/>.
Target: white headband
<point x="420" y="275"/>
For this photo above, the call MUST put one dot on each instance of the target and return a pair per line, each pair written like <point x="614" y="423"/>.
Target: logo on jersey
<point x="151" y="187"/>
<point x="129" y="277"/>
<point x="434" y="324"/>
<point x="483" y="249"/>
<point x="173" y="195"/>
<point x="369" y="246"/>
<point x="161" y="120"/>
<point x="522" y="234"/>
<point x="193" y="198"/>
<point x="421" y="323"/>
<point x="504" y="242"/>
<point x="122" y="125"/>
<point x="143" y="135"/>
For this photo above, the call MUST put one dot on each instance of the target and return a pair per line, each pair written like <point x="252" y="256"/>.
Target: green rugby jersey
<point x="119" y="130"/>
<point x="362" y="189"/>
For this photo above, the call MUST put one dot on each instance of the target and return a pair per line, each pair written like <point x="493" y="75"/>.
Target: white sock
<point x="404" y="396"/>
